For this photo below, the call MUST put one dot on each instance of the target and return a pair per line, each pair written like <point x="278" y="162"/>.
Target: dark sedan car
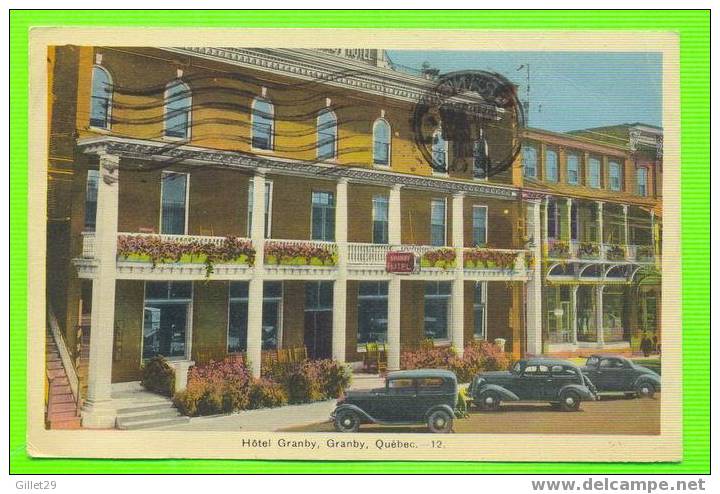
<point x="409" y="397"/>
<point x="616" y="374"/>
<point x="537" y="379"/>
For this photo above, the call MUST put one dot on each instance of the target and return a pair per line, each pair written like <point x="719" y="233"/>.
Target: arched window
<point x="101" y="98"/>
<point x="481" y="158"/>
<point x="178" y="102"/>
<point x="439" y="151"/>
<point x="381" y="142"/>
<point x="327" y="132"/>
<point x="263" y="123"/>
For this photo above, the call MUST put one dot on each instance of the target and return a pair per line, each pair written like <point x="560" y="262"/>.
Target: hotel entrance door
<point x="318" y="318"/>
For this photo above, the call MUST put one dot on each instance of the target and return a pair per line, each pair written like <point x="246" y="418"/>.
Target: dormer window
<point x="101" y="98"/>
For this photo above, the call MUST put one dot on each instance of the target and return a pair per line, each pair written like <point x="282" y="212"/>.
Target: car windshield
<point x="592" y="361"/>
<point x="517" y="368"/>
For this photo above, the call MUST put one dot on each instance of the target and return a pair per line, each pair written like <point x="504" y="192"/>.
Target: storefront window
<point x="238" y="316"/>
<point x="166" y="319"/>
<point x="559" y="314"/>
<point x="613" y="311"/>
<point x="586" y="324"/>
<point x="372" y="312"/>
<point x="437" y="309"/>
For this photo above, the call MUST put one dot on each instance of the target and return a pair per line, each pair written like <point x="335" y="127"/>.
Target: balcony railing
<point x="592" y="251"/>
<point x="367" y="254"/>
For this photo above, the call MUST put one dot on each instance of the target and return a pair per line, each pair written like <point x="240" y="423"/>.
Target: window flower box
<point x="439" y="258"/>
<point x="489" y="259"/>
<point x="156" y="250"/>
<point x="588" y="250"/>
<point x="559" y="249"/>
<point x="299" y="254"/>
<point x="615" y="253"/>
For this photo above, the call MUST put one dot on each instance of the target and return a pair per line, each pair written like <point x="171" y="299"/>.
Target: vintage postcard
<point x="355" y="244"/>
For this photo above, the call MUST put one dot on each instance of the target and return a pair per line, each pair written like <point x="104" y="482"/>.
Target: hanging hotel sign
<point x="401" y="262"/>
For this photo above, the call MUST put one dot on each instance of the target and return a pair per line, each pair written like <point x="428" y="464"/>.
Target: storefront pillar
<point x="98" y="411"/>
<point x="393" y="338"/>
<point x="533" y="306"/>
<point x="601" y="237"/>
<point x="340" y="285"/>
<point x="626" y="226"/>
<point x="255" y="288"/>
<point x="573" y="315"/>
<point x="458" y="284"/>
<point x="599" y="315"/>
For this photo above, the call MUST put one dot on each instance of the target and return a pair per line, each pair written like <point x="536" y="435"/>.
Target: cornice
<point x="330" y="70"/>
<point x="192" y="155"/>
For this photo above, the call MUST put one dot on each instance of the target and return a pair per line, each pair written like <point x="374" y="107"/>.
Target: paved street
<point x="611" y="415"/>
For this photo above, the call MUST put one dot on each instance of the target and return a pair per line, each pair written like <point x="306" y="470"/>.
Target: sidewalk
<point x="265" y="419"/>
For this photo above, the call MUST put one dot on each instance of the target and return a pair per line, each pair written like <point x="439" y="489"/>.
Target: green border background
<point x="693" y="28"/>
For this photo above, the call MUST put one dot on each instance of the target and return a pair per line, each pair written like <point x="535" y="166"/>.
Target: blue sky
<point x="569" y="90"/>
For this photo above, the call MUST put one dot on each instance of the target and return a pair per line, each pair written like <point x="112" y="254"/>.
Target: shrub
<point x="217" y="387"/>
<point x="311" y="380"/>
<point x="479" y="356"/>
<point x="265" y="393"/>
<point x="333" y="376"/>
<point x="158" y="376"/>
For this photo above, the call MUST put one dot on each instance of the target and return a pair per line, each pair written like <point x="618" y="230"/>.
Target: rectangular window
<point x="551" y="166"/>
<point x="573" y="169"/>
<point x="437" y="222"/>
<point x="372" y="312"/>
<point x="593" y="178"/>
<point x="238" y="316"/>
<point x="479" y="303"/>
<point x="268" y="207"/>
<point x="437" y="309"/>
<point x="529" y="161"/>
<point x="380" y="219"/>
<point x="574" y="223"/>
<point x="642" y="188"/>
<point x="323" y="216"/>
<point x="166" y="319"/>
<point x="174" y="190"/>
<point x="615" y="176"/>
<point x="479" y="225"/>
<point x="91" y="191"/>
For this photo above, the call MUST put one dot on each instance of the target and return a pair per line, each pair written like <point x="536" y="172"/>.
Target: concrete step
<point x="60" y="389"/>
<point x="56" y="398"/>
<point x="144" y="407"/>
<point x="64" y="407"/>
<point x="152" y="423"/>
<point x="168" y="413"/>
<point x="54" y="365"/>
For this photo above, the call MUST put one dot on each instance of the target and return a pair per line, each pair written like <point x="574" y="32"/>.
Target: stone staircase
<point x="63" y="409"/>
<point x="140" y="409"/>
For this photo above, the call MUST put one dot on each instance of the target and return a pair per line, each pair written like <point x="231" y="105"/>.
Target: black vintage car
<point x="537" y="379"/>
<point x="616" y="374"/>
<point x="409" y="397"/>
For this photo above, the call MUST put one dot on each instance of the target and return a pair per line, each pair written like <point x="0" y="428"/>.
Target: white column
<point x="255" y="288"/>
<point x="599" y="315"/>
<point x="457" y="326"/>
<point x="601" y="237"/>
<point x="394" y="216"/>
<point x="533" y="309"/>
<point x="626" y="226"/>
<point x="340" y="285"/>
<point x="393" y="338"/>
<point x="98" y="411"/>
<point x="569" y="206"/>
<point x="573" y="315"/>
<point x="652" y="232"/>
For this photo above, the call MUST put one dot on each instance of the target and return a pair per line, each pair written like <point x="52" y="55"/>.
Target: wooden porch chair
<point x="283" y="356"/>
<point x="300" y="354"/>
<point x="371" y="359"/>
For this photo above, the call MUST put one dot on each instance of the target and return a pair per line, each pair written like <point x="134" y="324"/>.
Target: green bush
<point x="267" y="394"/>
<point x="158" y="376"/>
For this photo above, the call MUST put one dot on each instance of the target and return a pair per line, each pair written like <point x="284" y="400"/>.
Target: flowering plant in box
<point x="616" y="252"/>
<point x="155" y="249"/>
<point x="559" y="249"/>
<point x="439" y="258"/>
<point x="588" y="250"/>
<point x="300" y="254"/>
<point x="489" y="259"/>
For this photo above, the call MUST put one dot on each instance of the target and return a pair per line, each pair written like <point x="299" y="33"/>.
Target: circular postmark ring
<point x="469" y="121"/>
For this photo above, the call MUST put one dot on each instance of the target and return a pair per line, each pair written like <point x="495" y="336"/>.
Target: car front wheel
<point x="440" y="421"/>
<point x="570" y="401"/>
<point x="489" y="401"/>
<point x="645" y="390"/>
<point x="347" y="421"/>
